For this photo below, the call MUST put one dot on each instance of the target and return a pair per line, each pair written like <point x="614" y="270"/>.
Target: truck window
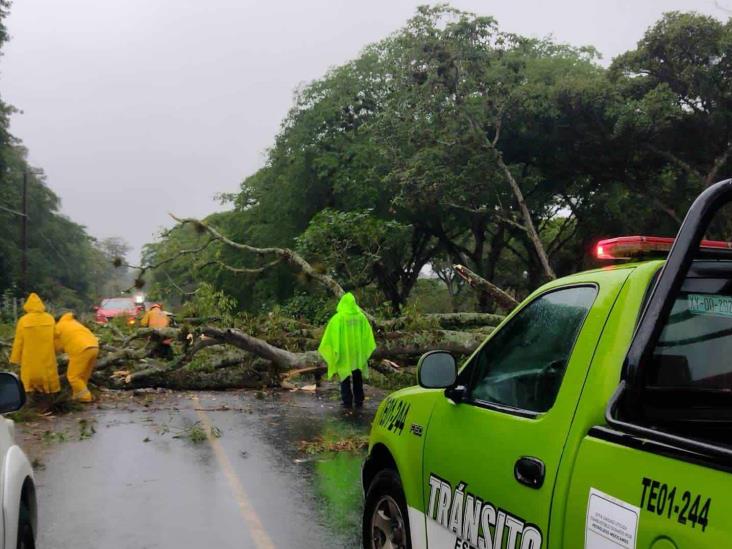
<point x="688" y="383"/>
<point x="695" y="346"/>
<point x="522" y="366"/>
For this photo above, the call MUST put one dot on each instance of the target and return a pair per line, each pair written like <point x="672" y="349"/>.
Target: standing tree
<point x="675" y="110"/>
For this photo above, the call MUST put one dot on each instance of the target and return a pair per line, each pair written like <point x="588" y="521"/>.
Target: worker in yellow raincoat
<point x="156" y="318"/>
<point x="347" y="344"/>
<point x="33" y="348"/>
<point x="82" y="348"/>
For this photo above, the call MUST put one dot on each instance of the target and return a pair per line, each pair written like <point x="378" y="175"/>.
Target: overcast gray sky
<point x="136" y="108"/>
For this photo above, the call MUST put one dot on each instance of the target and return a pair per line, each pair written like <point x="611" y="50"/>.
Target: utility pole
<point x="24" y="238"/>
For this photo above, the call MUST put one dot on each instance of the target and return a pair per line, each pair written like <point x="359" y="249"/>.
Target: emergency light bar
<point x="628" y="247"/>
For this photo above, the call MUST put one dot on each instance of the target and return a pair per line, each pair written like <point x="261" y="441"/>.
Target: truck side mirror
<point x="12" y="394"/>
<point x="437" y="370"/>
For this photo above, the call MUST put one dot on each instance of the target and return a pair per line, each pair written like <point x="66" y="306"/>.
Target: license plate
<point x="706" y="304"/>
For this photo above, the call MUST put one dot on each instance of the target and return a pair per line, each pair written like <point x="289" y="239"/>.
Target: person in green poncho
<point x="346" y="346"/>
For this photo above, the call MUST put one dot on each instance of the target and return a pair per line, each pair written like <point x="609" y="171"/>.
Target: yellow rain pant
<point x="81" y="365"/>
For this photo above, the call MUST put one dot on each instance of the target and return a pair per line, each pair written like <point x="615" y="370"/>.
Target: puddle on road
<point x="337" y="484"/>
<point x="333" y="479"/>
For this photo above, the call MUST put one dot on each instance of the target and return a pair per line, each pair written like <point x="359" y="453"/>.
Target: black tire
<point x="26" y="540"/>
<point x="385" y="517"/>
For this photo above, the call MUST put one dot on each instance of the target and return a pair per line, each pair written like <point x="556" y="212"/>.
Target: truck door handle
<point x="529" y="471"/>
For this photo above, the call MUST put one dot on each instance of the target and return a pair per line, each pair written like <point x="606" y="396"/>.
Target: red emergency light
<point x="628" y="247"/>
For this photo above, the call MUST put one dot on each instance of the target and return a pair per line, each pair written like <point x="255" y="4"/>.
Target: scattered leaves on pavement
<point x="320" y="445"/>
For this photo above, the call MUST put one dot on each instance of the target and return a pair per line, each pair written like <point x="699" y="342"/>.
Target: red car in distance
<point x="115" y="307"/>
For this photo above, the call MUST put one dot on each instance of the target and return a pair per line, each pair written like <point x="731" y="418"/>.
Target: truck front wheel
<point x="385" y="518"/>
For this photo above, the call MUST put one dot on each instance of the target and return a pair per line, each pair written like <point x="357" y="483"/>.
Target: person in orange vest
<point x="156" y="318"/>
<point x="33" y="348"/>
<point x="82" y="348"/>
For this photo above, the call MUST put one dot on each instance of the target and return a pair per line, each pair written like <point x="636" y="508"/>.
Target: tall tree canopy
<point x="454" y="141"/>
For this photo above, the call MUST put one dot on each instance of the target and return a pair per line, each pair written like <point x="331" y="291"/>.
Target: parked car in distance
<point x="18" y="489"/>
<point x="114" y="307"/>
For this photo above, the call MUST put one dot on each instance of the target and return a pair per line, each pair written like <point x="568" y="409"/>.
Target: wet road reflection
<point x="152" y="476"/>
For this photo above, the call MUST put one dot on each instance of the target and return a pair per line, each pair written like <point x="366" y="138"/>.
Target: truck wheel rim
<point x="387" y="525"/>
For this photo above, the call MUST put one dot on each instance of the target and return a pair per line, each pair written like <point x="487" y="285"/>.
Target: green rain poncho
<point x="348" y="340"/>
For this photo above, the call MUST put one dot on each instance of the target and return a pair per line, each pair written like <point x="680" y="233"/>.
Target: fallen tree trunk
<point x="394" y="345"/>
<point x="466" y="320"/>
<point x="447" y="321"/>
<point x="444" y="321"/>
<point x="400" y="345"/>
<point x="241" y="375"/>
<point x="258" y="347"/>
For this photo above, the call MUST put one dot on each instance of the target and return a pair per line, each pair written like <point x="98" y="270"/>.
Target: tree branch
<point x="476" y="211"/>
<point x="284" y="254"/>
<point x="241" y="270"/>
<point x="720" y="161"/>
<point x="509" y="221"/>
<point x="142" y="269"/>
<point x="668" y="210"/>
<point x="177" y="287"/>
<point x="557" y="242"/>
<point x="481" y="284"/>
<point x="523" y="208"/>
<point x="675" y="160"/>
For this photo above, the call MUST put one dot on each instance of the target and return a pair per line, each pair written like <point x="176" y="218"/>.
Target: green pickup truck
<point x="597" y="415"/>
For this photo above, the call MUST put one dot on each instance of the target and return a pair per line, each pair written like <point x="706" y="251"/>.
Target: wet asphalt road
<point x="139" y="481"/>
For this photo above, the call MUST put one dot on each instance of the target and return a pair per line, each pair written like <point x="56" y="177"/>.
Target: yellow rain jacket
<point x="155" y="318"/>
<point x="33" y="348"/>
<point x="72" y="337"/>
<point x="82" y="347"/>
<point x="348" y="340"/>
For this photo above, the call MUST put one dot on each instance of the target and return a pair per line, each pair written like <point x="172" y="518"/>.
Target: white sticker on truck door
<point x="611" y="523"/>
